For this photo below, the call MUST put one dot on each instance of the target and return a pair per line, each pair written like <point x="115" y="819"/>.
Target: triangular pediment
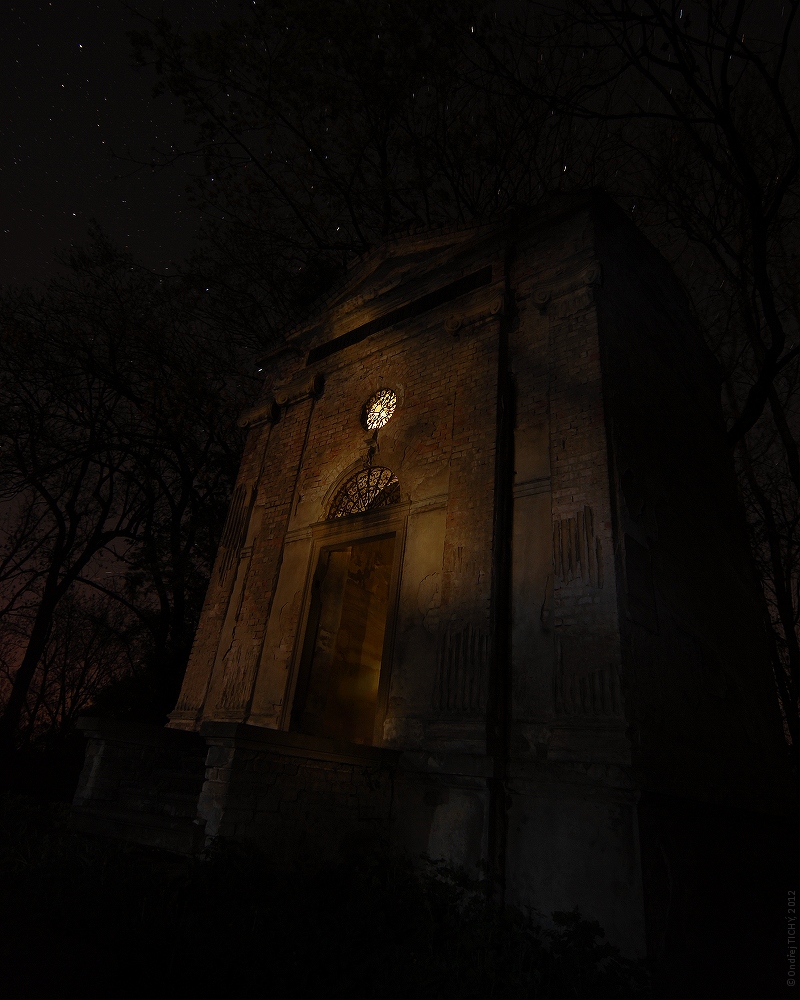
<point x="384" y="270"/>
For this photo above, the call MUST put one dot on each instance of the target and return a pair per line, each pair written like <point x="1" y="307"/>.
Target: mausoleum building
<point x="484" y="591"/>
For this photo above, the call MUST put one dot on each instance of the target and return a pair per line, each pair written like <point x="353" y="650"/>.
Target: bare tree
<point x="94" y="643"/>
<point x="60" y="454"/>
<point x="322" y="128"/>
<point x="119" y="445"/>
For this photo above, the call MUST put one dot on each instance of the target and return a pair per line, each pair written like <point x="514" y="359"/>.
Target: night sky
<point x="76" y="114"/>
<point x="75" y="110"/>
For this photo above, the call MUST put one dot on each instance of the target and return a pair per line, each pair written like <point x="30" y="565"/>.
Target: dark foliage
<point x="98" y="920"/>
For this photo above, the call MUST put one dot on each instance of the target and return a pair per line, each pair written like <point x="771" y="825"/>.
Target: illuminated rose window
<point x="367" y="490"/>
<point x="379" y="408"/>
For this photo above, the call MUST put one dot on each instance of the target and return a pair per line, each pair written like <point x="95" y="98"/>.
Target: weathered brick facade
<point x="573" y="626"/>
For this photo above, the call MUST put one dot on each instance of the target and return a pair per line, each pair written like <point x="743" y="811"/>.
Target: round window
<point x="379" y="408"/>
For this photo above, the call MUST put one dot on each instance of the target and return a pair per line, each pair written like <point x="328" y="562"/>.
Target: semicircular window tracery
<point x="366" y="490"/>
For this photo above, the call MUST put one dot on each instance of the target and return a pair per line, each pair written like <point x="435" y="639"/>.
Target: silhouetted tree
<point x="94" y="642"/>
<point x="62" y="464"/>
<point x="118" y="452"/>
<point x="324" y="127"/>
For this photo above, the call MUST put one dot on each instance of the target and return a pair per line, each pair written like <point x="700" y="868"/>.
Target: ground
<point x="92" y="918"/>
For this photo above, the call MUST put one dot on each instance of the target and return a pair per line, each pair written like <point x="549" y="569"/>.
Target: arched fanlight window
<point x="366" y="490"/>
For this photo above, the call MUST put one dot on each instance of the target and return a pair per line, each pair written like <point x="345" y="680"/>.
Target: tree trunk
<point x="9" y="722"/>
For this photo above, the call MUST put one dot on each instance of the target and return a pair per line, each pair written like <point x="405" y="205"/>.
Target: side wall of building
<point x="702" y="709"/>
<point x="572" y="822"/>
<point x="707" y="747"/>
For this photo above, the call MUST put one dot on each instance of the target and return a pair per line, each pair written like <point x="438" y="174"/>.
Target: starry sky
<point x="78" y="122"/>
<point x="76" y="114"/>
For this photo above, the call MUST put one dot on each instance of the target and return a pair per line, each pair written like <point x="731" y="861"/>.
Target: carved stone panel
<point x="577" y="553"/>
<point x="586" y="680"/>
<point x="235" y="532"/>
<point x="238" y="673"/>
<point x="462" y="670"/>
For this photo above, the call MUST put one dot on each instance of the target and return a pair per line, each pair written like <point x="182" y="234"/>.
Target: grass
<point x="93" y="918"/>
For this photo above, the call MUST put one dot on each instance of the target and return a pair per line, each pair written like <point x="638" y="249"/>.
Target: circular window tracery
<point x="379" y="408"/>
<point x="366" y="490"/>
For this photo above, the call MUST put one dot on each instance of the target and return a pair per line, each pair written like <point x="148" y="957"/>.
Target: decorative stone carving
<point x="293" y="392"/>
<point x="235" y="531"/>
<point x="462" y="667"/>
<point x="541" y="297"/>
<point x="239" y="671"/>
<point x="577" y="553"/>
<point x="593" y="275"/>
<point x="373" y="487"/>
<point x="266" y="412"/>
<point x="586" y="692"/>
<point x="283" y="395"/>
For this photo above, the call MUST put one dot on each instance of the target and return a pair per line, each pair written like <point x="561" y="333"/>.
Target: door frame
<point x="334" y="534"/>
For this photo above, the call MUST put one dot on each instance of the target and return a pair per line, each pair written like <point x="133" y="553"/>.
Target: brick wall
<point x="440" y="443"/>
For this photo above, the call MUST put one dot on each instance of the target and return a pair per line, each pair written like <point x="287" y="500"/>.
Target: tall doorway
<point x="340" y="668"/>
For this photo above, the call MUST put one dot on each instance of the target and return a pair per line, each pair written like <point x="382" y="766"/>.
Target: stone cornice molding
<point x="584" y="279"/>
<point x="299" y="388"/>
<point x="239" y="735"/>
<point x="283" y="395"/>
<point x="532" y="487"/>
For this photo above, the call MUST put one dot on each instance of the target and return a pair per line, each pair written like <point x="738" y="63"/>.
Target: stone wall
<point x="303" y="800"/>
<point x="701" y="702"/>
<point x="568" y="697"/>
<point x="572" y="829"/>
<point x="141" y="783"/>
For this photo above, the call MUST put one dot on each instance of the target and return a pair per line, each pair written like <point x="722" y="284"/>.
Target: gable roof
<point x="404" y="256"/>
<point x="385" y="266"/>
